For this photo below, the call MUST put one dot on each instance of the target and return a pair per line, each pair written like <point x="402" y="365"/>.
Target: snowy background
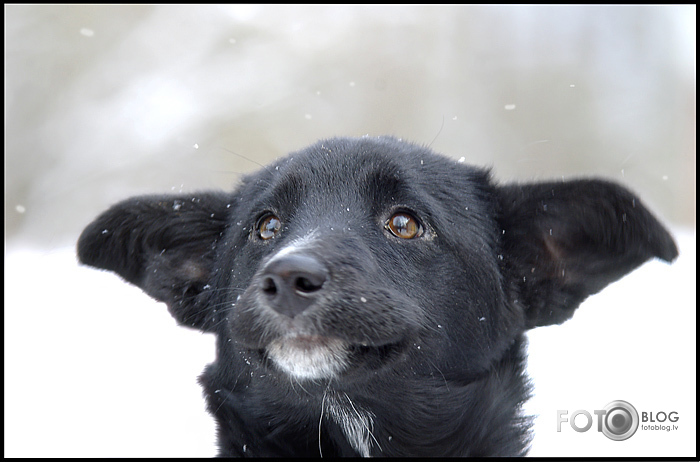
<point x="104" y="102"/>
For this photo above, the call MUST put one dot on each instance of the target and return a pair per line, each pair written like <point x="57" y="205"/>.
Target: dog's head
<point x="356" y="257"/>
<point x="352" y="254"/>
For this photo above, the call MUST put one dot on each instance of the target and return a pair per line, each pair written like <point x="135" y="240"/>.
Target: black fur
<point x="336" y="336"/>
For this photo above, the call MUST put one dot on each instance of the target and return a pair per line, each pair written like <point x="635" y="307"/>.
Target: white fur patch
<point x="309" y="357"/>
<point x="296" y="245"/>
<point x="356" y="423"/>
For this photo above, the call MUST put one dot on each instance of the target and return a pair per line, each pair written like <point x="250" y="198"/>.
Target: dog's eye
<point x="268" y="226"/>
<point x="404" y="225"/>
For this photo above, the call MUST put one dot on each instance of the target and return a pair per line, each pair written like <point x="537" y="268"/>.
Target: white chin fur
<point x="309" y="357"/>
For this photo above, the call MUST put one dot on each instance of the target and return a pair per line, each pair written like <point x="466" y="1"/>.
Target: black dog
<point x="370" y="297"/>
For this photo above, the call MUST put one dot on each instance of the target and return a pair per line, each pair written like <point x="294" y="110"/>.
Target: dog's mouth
<point x="312" y="357"/>
<point x="335" y="337"/>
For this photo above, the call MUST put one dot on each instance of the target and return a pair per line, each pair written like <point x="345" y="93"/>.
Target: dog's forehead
<point x="361" y="177"/>
<point x="350" y="159"/>
<point x="358" y="167"/>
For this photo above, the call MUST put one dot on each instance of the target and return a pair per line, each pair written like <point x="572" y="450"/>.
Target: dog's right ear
<point x="163" y="244"/>
<point x="564" y="241"/>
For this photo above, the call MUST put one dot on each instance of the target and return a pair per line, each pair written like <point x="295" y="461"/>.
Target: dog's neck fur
<point x="356" y="423"/>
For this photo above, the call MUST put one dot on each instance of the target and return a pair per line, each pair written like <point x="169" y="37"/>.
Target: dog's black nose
<point x="291" y="283"/>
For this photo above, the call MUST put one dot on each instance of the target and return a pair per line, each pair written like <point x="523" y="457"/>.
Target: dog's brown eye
<point x="403" y="225"/>
<point x="268" y="226"/>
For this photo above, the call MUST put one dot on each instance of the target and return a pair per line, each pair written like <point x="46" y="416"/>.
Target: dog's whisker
<point x="320" y="419"/>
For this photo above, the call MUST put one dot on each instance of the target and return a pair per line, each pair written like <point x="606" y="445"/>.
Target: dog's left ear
<point x="567" y="240"/>
<point x="163" y="244"/>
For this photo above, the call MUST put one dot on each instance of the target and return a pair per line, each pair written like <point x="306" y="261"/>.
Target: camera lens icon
<point x="621" y="420"/>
